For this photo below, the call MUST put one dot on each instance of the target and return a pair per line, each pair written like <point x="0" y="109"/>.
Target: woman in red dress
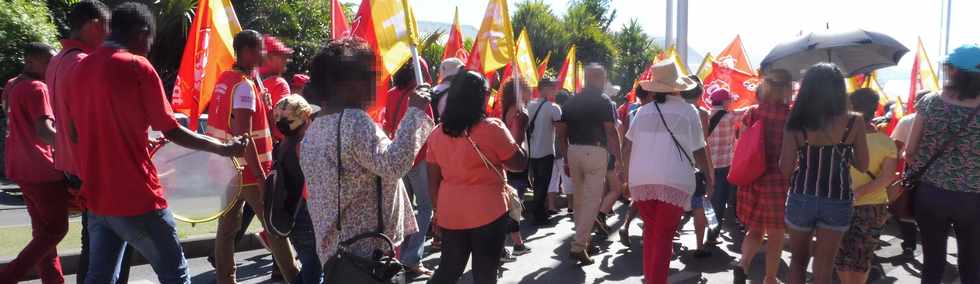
<point x="761" y="204"/>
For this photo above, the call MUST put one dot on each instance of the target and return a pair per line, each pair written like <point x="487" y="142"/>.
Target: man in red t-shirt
<point x="28" y="161"/>
<point x="238" y="109"/>
<point x="277" y="56"/>
<point x="89" y="24"/>
<point x="123" y="98"/>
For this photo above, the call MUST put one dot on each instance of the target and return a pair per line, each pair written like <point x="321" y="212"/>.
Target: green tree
<point x="600" y="10"/>
<point x="431" y="51"/>
<point x="584" y="30"/>
<point x="544" y="30"/>
<point x="636" y="51"/>
<point x="21" y="22"/>
<point x="303" y="25"/>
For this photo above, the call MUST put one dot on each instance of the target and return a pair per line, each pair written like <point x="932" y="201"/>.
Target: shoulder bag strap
<point x="340" y="169"/>
<point x="847" y="132"/>
<point x="715" y="120"/>
<point x="486" y="162"/>
<point x="676" y="142"/>
<point x="945" y="146"/>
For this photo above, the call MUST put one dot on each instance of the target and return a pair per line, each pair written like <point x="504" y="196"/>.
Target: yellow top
<point x="880" y="147"/>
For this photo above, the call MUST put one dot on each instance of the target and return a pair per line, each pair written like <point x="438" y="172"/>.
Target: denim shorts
<point x="805" y="213"/>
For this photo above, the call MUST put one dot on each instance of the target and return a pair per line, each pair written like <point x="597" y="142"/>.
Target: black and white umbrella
<point x="855" y="52"/>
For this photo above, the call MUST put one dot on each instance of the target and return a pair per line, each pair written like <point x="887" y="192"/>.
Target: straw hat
<point x="667" y="78"/>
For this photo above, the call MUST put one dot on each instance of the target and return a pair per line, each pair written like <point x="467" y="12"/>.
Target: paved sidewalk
<point x="547" y="263"/>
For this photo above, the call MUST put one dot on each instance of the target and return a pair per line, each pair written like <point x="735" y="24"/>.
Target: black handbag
<point x="348" y="267"/>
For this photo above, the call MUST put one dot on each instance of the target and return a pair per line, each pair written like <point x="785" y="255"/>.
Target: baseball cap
<point x="274" y="46"/>
<point x="300" y="80"/>
<point x="965" y="58"/>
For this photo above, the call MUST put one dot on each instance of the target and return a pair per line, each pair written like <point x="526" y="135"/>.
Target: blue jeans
<point x="724" y="191"/>
<point x="153" y="235"/>
<point x="805" y="213"/>
<point x="304" y="241"/>
<point x="418" y="180"/>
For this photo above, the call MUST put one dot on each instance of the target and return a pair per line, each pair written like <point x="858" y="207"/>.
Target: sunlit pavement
<point x="548" y="261"/>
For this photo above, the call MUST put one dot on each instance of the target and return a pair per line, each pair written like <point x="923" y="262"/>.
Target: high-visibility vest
<point x="219" y="121"/>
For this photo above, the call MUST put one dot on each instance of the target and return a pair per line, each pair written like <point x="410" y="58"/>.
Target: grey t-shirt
<point x="542" y="140"/>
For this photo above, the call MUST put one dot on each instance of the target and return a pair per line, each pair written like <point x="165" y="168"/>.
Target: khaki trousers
<point x="228" y="226"/>
<point x="587" y="166"/>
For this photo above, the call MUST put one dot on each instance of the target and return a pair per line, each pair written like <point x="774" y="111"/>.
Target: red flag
<point x="339" y="26"/>
<point x="543" y="66"/>
<point x="923" y="76"/>
<point x="207" y="52"/>
<point x="566" y="76"/>
<point x="735" y="81"/>
<point x="734" y="57"/>
<point x="454" y="46"/>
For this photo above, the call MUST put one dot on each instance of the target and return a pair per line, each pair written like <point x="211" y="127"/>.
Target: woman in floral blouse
<point x="342" y="78"/>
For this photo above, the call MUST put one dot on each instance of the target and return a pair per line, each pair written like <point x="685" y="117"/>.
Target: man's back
<point x="584" y="115"/>
<point x="123" y="98"/>
<point x="543" y="115"/>
<point x="58" y="77"/>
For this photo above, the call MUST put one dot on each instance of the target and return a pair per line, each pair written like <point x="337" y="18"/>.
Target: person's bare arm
<point x="44" y="129"/>
<point x="435" y="179"/>
<point x="915" y="136"/>
<point x="241" y="124"/>
<point x="886" y="176"/>
<point x="861" y="159"/>
<point x="186" y="138"/>
<point x="561" y="132"/>
<point x="613" y="144"/>
<point x="787" y="157"/>
<point x="517" y="162"/>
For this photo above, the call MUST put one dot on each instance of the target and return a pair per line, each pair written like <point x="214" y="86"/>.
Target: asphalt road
<point x="548" y="262"/>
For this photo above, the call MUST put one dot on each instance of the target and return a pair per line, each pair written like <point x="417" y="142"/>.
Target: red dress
<point x="763" y="203"/>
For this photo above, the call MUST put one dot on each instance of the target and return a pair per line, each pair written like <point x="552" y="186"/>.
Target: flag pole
<point x="417" y="63"/>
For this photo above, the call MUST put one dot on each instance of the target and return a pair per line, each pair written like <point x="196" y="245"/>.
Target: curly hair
<point x="465" y="103"/>
<point x="822" y="96"/>
<point x="343" y="60"/>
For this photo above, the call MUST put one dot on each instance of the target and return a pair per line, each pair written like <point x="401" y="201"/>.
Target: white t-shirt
<point x="243" y="97"/>
<point x="655" y="160"/>
<point x="542" y="141"/>
<point x="903" y="128"/>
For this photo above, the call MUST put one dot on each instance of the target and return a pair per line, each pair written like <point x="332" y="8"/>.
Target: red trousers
<point x="47" y="204"/>
<point x="660" y="221"/>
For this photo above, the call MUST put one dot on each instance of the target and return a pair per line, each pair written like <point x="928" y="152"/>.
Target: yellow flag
<point x="494" y="44"/>
<point x="566" y="76"/>
<point x="705" y="67"/>
<point x="671" y="54"/>
<point x="525" y="60"/>
<point x="395" y="31"/>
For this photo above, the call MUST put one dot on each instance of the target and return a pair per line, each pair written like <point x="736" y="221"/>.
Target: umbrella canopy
<point x="855" y="52"/>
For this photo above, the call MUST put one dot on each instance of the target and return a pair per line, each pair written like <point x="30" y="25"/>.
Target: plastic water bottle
<point x="709" y="213"/>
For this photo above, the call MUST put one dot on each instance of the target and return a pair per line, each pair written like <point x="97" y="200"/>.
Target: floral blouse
<point x="958" y="169"/>
<point x="366" y="153"/>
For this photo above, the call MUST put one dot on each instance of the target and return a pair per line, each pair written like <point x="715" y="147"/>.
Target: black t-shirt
<point x="585" y="114"/>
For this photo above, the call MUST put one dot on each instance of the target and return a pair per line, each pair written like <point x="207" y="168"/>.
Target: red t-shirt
<point x="58" y="79"/>
<point x="28" y="158"/>
<point x="395" y="108"/>
<point x="122" y="99"/>
<point x="278" y="88"/>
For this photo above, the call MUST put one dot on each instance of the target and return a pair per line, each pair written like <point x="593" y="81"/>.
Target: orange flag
<point x="338" y="21"/>
<point x="494" y="44"/>
<point x="454" y="46"/>
<point x="923" y="76"/>
<point x="734" y="57"/>
<point x="566" y="77"/>
<point x="735" y="81"/>
<point x="207" y="52"/>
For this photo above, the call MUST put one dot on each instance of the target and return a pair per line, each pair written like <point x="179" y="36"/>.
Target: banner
<point x="734" y="57"/>
<point x="737" y="82"/>
<point x="207" y="52"/>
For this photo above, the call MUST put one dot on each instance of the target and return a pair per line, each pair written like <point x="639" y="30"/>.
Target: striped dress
<point x="762" y="204"/>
